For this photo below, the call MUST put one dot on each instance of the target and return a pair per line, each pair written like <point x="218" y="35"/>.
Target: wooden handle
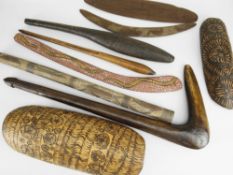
<point x="137" y="105"/>
<point x="194" y="134"/>
<point x="131" y="65"/>
<point x="118" y="43"/>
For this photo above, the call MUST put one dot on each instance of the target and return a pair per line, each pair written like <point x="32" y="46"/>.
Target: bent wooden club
<point x="194" y="134"/>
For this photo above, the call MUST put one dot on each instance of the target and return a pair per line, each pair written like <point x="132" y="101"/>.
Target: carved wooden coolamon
<point x="75" y="140"/>
<point x="217" y="61"/>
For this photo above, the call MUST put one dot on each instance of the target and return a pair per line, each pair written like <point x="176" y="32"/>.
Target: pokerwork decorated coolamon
<point x="217" y="61"/>
<point x="75" y="140"/>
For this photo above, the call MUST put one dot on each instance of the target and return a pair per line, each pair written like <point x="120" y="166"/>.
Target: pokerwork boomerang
<point x="136" y="31"/>
<point x="140" y="84"/>
<point x="194" y="134"/>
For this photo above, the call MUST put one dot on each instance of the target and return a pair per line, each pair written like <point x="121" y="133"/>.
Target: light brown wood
<point x="131" y="65"/>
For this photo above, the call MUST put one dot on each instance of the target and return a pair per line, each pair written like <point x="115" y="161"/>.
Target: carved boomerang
<point x="131" y="65"/>
<point x="136" y="31"/>
<point x="194" y="134"/>
<point x="140" y="84"/>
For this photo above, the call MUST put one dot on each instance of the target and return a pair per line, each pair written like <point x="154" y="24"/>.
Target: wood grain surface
<point x="145" y="9"/>
<point x="136" y="31"/>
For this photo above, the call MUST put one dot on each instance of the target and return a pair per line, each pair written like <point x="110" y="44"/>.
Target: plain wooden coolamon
<point x="75" y="140"/>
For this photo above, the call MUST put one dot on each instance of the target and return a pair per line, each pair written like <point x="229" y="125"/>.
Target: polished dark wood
<point x="145" y="9"/>
<point x="194" y="134"/>
<point x="75" y="140"/>
<point x="116" y="42"/>
<point x="217" y="61"/>
<point x="136" y="31"/>
<point x="149" y="110"/>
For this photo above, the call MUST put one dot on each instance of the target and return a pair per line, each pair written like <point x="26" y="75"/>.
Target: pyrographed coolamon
<point x="217" y="61"/>
<point x="75" y="140"/>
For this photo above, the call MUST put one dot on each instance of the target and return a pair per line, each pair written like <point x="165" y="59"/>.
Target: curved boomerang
<point x="136" y="31"/>
<point x="140" y="84"/>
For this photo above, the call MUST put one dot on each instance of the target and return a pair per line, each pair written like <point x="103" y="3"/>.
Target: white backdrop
<point x="162" y="157"/>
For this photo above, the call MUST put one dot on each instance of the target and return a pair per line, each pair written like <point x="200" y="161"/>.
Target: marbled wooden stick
<point x="149" y="110"/>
